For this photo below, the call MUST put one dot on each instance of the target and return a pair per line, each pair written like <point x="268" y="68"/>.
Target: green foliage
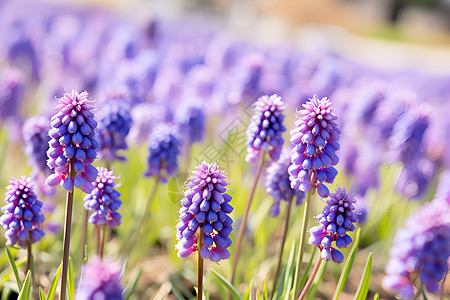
<point x="363" y="288"/>
<point x="223" y="281"/>
<point x="52" y="290"/>
<point x="25" y="292"/>
<point x="133" y="283"/>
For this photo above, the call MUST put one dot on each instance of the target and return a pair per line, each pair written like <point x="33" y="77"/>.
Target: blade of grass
<point x="317" y="281"/>
<point x="12" y="263"/>
<point x="133" y="283"/>
<point x="305" y="274"/>
<point x="265" y="290"/>
<point x="52" y="290"/>
<point x="376" y="297"/>
<point x="363" y="288"/>
<point x="424" y="295"/>
<point x="26" y="288"/>
<point x="347" y="267"/>
<point x="175" y="291"/>
<point x="233" y="291"/>
<point x="41" y="294"/>
<point x="6" y="291"/>
<point x="71" y="281"/>
<point x="289" y="277"/>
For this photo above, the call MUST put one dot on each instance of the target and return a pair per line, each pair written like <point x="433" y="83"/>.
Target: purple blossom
<point x="278" y="184"/>
<point x="104" y="200"/>
<point x="315" y="137"/>
<point x="205" y="205"/>
<point x="35" y="140"/>
<point x="12" y="90"/>
<point x="164" y="149"/>
<point x="421" y="250"/>
<point x="266" y="128"/>
<point x="190" y="119"/>
<point x="73" y="142"/>
<point x="22" y="213"/>
<point x="336" y="219"/>
<point x="101" y="280"/>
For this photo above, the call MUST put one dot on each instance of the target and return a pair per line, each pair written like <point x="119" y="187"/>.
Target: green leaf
<point x="265" y="296"/>
<point x="423" y="293"/>
<point x="376" y="297"/>
<point x="319" y="276"/>
<point x="6" y="291"/>
<point x="305" y="272"/>
<point x="176" y="292"/>
<point x="71" y="280"/>
<point x="227" y="284"/>
<point x="363" y="288"/>
<point x="347" y="267"/>
<point x="12" y="262"/>
<point x="289" y="276"/>
<point x="25" y="292"/>
<point x="52" y="290"/>
<point x="41" y="294"/>
<point x="133" y="283"/>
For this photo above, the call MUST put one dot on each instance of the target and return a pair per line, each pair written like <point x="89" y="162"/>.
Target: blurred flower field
<point x="180" y="143"/>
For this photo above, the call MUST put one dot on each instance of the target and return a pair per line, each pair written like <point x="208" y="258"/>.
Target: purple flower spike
<point x="22" y="213"/>
<point x="335" y="220"/>
<point x="104" y="200"/>
<point x="101" y="280"/>
<point x="72" y="136"/>
<point x="190" y="119"/>
<point x="265" y="129"/>
<point x="316" y="140"/>
<point x="421" y="249"/>
<point x="278" y="184"/>
<point x="206" y="205"/>
<point x="35" y="140"/>
<point x="113" y="127"/>
<point x="164" y="148"/>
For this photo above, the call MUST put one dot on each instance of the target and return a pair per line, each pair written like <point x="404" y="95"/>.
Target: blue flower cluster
<point x="113" y="127"/>
<point x="35" y="142"/>
<point x="164" y="148"/>
<point x="104" y="200"/>
<point x="336" y="220"/>
<point x="73" y="142"/>
<point x="278" y="184"/>
<point x="190" y="119"/>
<point x="22" y="213"/>
<point x="264" y="133"/>
<point x="205" y="205"/>
<point x="315" y="137"/>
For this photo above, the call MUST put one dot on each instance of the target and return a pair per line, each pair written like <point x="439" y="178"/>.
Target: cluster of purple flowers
<point x="22" y="213"/>
<point x="101" y="280"/>
<point x="190" y="120"/>
<point x="266" y="128"/>
<point x="278" y="184"/>
<point x="205" y="205"/>
<point x="113" y="127"/>
<point x="164" y="148"/>
<point x="35" y="140"/>
<point x="315" y="137"/>
<point x="336" y="219"/>
<point x="421" y="249"/>
<point x="104" y="200"/>
<point x="73" y="142"/>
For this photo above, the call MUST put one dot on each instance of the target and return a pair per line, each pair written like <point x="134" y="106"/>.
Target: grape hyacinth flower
<point x="101" y="280"/>
<point x="205" y="205"/>
<point x="266" y="128"/>
<point x="73" y="142"/>
<point x="35" y="140"/>
<point x="190" y="119"/>
<point x="421" y="250"/>
<point x="278" y="184"/>
<point x="164" y="148"/>
<point x="22" y="213"/>
<point x="315" y="137"/>
<point x="336" y="219"/>
<point x="104" y="200"/>
<point x="113" y="127"/>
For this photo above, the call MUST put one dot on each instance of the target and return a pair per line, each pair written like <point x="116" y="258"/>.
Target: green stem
<point x="102" y="241"/>
<point x="66" y="242"/>
<point x="244" y="218"/>
<point x="30" y="261"/>
<point x="200" y="264"/>
<point x="283" y="240"/>
<point x="298" y="267"/>
<point x="310" y="279"/>
<point x="84" y="235"/>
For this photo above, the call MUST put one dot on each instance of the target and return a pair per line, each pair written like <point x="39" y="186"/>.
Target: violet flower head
<point x="73" y="141"/>
<point x="104" y="200"/>
<point x="420" y="250"/>
<point x="336" y="219"/>
<point x="278" y="184"/>
<point x="35" y="141"/>
<point x="113" y="127"/>
<point x="22" y="213"/>
<point x="205" y="205"/>
<point x="190" y="119"/>
<point x="266" y="128"/>
<point x="12" y="90"/>
<point x="316" y="139"/>
<point x="164" y="148"/>
<point x="101" y="280"/>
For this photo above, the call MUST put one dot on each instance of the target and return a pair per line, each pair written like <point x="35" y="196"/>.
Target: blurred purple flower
<point x="35" y="138"/>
